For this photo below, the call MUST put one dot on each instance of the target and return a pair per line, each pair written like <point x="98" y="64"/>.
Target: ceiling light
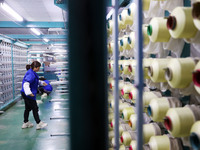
<point x="57" y="29"/>
<point x="9" y="10"/>
<point x="36" y="31"/>
<point x="59" y="51"/>
<point x="46" y="40"/>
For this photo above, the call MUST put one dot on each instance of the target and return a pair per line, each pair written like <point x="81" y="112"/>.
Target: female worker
<point x="29" y="90"/>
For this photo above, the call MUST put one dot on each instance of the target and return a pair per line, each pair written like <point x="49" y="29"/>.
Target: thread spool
<point x="132" y="66"/>
<point x="110" y="48"/>
<point x="110" y="65"/>
<point x="121" y="21"/>
<point x="179" y="121"/>
<point x="157" y="30"/>
<point x="196" y="14"/>
<point x="127" y="112"/>
<point x="120" y="45"/>
<point x="130" y="43"/>
<point x="146" y="4"/>
<point x="133" y="93"/>
<point x="126" y="90"/>
<point x="112" y="123"/>
<point x="159" y="143"/>
<point x="146" y="62"/>
<point x="179" y="72"/>
<point x="195" y="135"/>
<point x="122" y="127"/>
<point x="196" y="77"/>
<point x="127" y="137"/>
<point x="109" y="128"/>
<point x="122" y="147"/>
<point x="113" y="142"/>
<point x="130" y="14"/>
<point x="145" y="35"/>
<point x="110" y="97"/>
<point x="121" y="66"/>
<point x="125" y="42"/>
<point x="123" y="106"/>
<point x="158" y="107"/>
<point x="132" y="121"/>
<point x="125" y="65"/>
<point x="156" y="70"/>
<point x="111" y="135"/>
<point x="133" y="145"/>
<point x="148" y="96"/>
<point x="111" y="83"/>
<point x="180" y="23"/>
<point x="112" y="104"/>
<point x="121" y="130"/>
<point x="110" y="27"/>
<point x="121" y="85"/>
<point x="150" y="130"/>
<point x="110" y="117"/>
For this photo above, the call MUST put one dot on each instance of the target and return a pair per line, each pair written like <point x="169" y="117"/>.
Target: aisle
<point x="13" y="137"/>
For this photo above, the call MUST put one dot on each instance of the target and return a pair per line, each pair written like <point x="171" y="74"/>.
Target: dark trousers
<point x="41" y="91"/>
<point x="30" y="105"/>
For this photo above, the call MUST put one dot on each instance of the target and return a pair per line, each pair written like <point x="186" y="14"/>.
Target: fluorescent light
<point x="37" y="32"/>
<point x="9" y="10"/>
<point x="48" y="55"/>
<point x="59" y="51"/>
<point x="46" y="40"/>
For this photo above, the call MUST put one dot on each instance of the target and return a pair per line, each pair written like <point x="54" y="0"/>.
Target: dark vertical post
<point x="139" y="75"/>
<point x="88" y="74"/>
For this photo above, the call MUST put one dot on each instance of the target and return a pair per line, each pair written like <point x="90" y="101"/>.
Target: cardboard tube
<point x="196" y="77"/>
<point x="196" y="14"/>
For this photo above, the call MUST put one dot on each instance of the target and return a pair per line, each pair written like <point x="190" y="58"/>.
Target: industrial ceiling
<point x="44" y="15"/>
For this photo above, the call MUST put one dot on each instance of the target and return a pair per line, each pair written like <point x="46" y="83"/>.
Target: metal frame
<point x="13" y="41"/>
<point x="31" y="36"/>
<point x="31" y="24"/>
<point x="139" y="74"/>
<point x="13" y="83"/>
<point x="45" y="43"/>
<point x="116" y="73"/>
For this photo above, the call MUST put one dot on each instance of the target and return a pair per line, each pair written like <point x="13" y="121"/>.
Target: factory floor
<point x="13" y="137"/>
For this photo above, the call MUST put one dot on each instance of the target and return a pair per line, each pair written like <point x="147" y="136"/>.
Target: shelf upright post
<point x="139" y="74"/>
<point x="115" y="4"/>
<point x="12" y="59"/>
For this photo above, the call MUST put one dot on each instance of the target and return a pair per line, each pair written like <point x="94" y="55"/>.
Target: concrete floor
<point x="12" y="137"/>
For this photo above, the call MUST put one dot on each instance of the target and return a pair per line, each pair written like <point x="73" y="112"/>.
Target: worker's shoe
<point x="44" y="96"/>
<point x="27" y="125"/>
<point x="41" y="125"/>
